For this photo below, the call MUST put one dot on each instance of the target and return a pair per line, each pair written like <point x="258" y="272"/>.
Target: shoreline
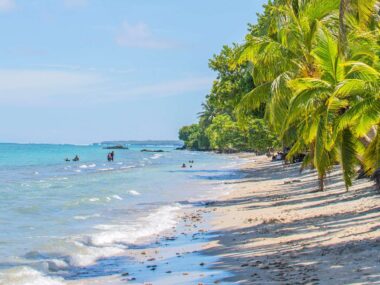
<point x="275" y="228"/>
<point x="270" y="228"/>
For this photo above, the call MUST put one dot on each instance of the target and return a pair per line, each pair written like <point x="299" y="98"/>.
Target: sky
<point x="83" y="71"/>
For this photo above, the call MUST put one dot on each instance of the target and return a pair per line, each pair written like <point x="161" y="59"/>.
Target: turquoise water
<point x="57" y="215"/>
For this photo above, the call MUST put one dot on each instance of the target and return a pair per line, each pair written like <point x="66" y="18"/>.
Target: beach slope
<point x="276" y="228"/>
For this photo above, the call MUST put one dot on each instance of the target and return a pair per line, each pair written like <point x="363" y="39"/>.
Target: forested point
<point x="305" y="81"/>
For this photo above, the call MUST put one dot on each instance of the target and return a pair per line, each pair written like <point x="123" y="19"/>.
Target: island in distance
<point x="146" y="143"/>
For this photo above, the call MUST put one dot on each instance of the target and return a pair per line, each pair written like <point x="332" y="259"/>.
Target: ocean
<point x="57" y="216"/>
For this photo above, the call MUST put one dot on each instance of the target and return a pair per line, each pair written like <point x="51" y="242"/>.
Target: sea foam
<point x="161" y="220"/>
<point x="110" y="239"/>
<point x="134" y="193"/>
<point x="156" y="156"/>
<point x="27" y="276"/>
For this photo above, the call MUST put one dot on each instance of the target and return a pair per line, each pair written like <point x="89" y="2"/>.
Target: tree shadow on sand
<point x="309" y="251"/>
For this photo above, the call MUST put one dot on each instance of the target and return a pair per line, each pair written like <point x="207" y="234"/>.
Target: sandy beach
<point x="272" y="228"/>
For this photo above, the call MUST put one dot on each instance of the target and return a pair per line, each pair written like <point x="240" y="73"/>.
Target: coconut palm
<point x="321" y="107"/>
<point x="283" y="53"/>
<point x="321" y="96"/>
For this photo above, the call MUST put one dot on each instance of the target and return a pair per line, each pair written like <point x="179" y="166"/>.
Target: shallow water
<point x="56" y="216"/>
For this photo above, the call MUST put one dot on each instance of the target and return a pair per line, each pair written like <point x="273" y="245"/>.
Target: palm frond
<point x="366" y="9"/>
<point x="253" y="100"/>
<point x="371" y="155"/>
<point x="327" y="56"/>
<point x="348" y="155"/>
<point x="361" y="117"/>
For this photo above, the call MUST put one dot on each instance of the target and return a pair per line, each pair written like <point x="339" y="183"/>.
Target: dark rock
<point x="116" y="147"/>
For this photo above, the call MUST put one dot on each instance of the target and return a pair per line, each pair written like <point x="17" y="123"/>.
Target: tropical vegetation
<point x="306" y="78"/>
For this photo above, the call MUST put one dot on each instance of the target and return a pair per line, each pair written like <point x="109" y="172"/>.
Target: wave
<point x="156" y="156"/>
<point x="134" y="193"/>
<point x="27" y="276"/>
<point x="81" y="254"/>
<point x="106" y="169"/>
<point x="161" y="220"/>
<point x="80" y="251"/>
<point x="84" y="166"/>
<point x="117" y="197"/>
<point x="95" y="199"/>
<point x="86" y="217"/>
<point x="127" y="167"/>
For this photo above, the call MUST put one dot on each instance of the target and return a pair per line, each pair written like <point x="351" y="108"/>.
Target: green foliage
<point x="194" y="137"/>
<point x="329" y="51"/>
<point x="224" y="134"/>
<point x="308" y="74"/>
<point x="259" y="136"/>
<point x="218" y="128"/>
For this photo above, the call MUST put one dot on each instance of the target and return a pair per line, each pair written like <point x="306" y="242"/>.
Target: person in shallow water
<point x="66" y="159"/>
<point x="183" y="165"/>
<point x="76" y="158"/>
<point x="110" y="156"/>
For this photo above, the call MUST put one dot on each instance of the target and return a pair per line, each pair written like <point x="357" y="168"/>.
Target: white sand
<point x="274" y="232"/>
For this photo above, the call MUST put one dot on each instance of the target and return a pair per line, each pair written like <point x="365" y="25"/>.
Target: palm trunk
<point x="321" y="181"/>
<point x="342" y="27"/>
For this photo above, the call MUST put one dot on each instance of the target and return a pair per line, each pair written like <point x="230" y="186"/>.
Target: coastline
<point x="271" y="227"/>
<point x="274" y="228"/>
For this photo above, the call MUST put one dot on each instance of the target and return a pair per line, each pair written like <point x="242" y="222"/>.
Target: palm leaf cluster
<point x="315" y="66"/>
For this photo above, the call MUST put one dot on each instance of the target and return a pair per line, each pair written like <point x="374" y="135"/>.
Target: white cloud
<point x="75" y="3"/>
<point x="7" y="5"/>
<point x="140" y="36"/>
<point x="170" y="88"/>
<point x="35" y="86"/>
<point x="159" y="90"/>
<point x="73" y="87"/>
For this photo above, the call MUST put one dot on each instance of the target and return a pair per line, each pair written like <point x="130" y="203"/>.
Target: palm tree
<point x="321" y="107"/>
<point x="282" y="55"/>
<point x="321" y="96"/>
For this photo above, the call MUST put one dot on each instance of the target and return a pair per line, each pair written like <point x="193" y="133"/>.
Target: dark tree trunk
<point x="342" y="27"/>
<point x="376" y="177"/>
<point x="321" y="181"/>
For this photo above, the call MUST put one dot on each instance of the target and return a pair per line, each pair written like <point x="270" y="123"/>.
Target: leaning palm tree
<point x="325" y="112"/>
<point x="283" y="52"/>
<point x="320" y="96"/>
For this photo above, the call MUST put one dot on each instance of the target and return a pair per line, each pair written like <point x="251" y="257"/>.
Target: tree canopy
<point x="307" y="78"/>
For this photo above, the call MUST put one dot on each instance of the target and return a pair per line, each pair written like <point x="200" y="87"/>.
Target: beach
<point x="190" y="143"/>
<point x="271" y="228"/>
<point x="275" y="229"/>
<point x="257" y="222"/>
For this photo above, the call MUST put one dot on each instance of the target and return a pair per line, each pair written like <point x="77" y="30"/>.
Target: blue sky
<point x="82" y="71"/>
